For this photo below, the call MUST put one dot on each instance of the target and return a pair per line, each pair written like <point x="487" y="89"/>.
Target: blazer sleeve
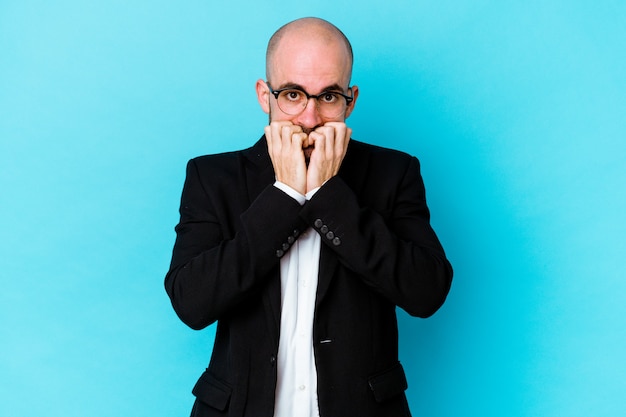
<point x="393" y="249"/>
<point x="222" y="253"/>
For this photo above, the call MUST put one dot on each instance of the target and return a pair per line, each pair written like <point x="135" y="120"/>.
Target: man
<point x="301" y="248"/>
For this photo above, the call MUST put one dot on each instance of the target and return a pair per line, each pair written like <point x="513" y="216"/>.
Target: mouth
<point x="310" y="145"/>
<point x="308" y="150"/>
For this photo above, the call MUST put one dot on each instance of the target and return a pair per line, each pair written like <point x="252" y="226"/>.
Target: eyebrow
<point x="332" y="87"/>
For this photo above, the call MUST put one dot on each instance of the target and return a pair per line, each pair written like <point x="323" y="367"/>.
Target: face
<point x="314" y="65"/>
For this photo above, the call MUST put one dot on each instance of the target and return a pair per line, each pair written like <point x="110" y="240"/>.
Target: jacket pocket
<point x="388" y="383"/>
<point x="212" y="391"/>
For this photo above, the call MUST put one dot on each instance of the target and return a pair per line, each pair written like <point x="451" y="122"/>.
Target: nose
<point x="310" y="117"/>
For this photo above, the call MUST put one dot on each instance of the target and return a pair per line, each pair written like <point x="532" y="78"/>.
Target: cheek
<point x="341" y="118"/>
<point x="276" y="115"/>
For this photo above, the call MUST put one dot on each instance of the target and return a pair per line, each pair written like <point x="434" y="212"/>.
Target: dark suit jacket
<point x="378" y="252"/>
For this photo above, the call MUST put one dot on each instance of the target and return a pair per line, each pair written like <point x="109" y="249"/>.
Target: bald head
<point x="304" y="32"/>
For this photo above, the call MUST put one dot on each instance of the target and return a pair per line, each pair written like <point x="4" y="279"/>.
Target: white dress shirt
<point x="296" y="388"/>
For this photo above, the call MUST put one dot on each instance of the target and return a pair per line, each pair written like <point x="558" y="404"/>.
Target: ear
<point x="263" y="95"/>
<point x="355" y="95"/>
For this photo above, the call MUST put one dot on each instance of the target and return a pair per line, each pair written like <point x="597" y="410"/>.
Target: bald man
<point x="302" y="246"/>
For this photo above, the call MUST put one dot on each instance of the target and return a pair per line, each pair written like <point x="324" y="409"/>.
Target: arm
<point x="222" y="256"/>
<point x="397" y="255"/>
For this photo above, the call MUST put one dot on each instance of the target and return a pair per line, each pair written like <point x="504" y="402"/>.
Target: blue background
<point x="516" y="109"/>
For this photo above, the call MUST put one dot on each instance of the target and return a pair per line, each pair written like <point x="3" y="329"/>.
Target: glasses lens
<point x="292" y="101"/>
<point x="329" y="104"/>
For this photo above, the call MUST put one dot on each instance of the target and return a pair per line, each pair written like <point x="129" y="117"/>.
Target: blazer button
<point x="318" y="223"/>
<point x="273" y="360"/>
<point x="336" y="241"/>
<point x="285" y="246"/>
<point x="296" y="233"/>
<point x="279" y="253"/>
<point x="291" y="239"/>
<point x="330" y="235"/>
<point x="324" y="229"/>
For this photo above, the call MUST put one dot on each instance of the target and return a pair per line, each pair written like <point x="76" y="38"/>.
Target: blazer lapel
<point x="328" y="266"/>
<point x="355" y="167"/>
<point x="259" y="174"/>
<point x="353" y="172"/>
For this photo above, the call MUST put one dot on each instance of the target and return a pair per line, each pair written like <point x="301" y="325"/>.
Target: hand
<point x="330" y="144"/>
<point x="285" y="142"/>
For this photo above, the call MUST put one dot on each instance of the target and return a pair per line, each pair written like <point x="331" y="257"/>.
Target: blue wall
<point x="517" y="111"/>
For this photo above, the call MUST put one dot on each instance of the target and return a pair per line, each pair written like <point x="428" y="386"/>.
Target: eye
<point x="293" y="95"/>
<point x="329" y="98"/>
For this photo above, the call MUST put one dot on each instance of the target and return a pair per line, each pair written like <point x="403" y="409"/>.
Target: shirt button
<point x="301" y="387"/>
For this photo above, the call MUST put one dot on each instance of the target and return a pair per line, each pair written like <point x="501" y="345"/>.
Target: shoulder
<point x="379" y="157"/>
<point x="363" y="148"/>
<point x="218" y="158"/>
<point x="369" y="167"/>
<point x="232" y="160"/>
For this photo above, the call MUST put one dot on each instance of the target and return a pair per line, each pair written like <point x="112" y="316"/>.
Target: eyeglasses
<point x="293" y="101"/>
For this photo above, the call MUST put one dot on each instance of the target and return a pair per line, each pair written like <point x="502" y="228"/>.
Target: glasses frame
<point x="276" y="93"/>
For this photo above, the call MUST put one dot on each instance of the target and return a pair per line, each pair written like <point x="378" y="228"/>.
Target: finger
<point x="346" y="139"/>
<point x="277" y="127"/>
<point x="317" y="139"/>
<point x="287" y="132"/>
<point x="336" y="125"/>
<point x="331" y="140"/>
<point x="275" y="136"/>
<point x="299" y="140"/>
<point x="341" y="139"/>
<point x="342" y="136"/>
<point x="281" y="123"/>
<point x="268" y="138"/>
<point x="296" y="128"/>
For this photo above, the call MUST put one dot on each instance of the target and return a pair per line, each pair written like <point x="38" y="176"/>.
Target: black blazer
<point x="378" y="252"/>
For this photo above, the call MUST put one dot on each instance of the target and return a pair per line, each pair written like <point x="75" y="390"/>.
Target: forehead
<point x="313" y="62"/>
